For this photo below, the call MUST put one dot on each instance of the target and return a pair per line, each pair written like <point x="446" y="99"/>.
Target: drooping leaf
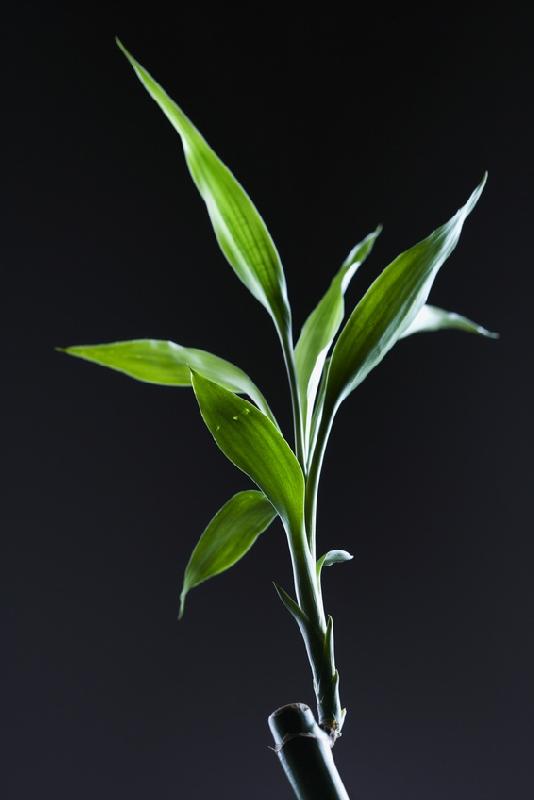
<point x="254" y="445"/>
<point x="169" y="364"/>
<point x="228" y="537"/>
<point x="320" y="328"/>
<point x="241" y="232"/>
<point x="389" y="307"/>
<point x="432" y="318"/>
<point x="331" y="558"/>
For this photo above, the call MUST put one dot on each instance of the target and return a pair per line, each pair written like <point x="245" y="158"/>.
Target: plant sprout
<point x="322" y="372"/>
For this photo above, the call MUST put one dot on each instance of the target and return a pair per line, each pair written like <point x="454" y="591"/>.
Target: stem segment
<point x="289" y="359"/>
<point x="312" y="482"/>
<point x="305" y="754"/>
<point x="303" y="746"/>
<point x="317" y="633"/>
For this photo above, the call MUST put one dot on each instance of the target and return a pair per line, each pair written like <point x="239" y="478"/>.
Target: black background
<point x="334" y="122"/>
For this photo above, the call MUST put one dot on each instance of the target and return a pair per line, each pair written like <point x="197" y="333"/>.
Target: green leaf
<point x="293" y="607"/>
<point x="230" y="534"/>
<point x="318" y="411"/>
<point x="432" y="318"/>
<point x="389" y="307"/>
<point x="331" y="558"/>
<point x="169" y="364"/>
<point x="241" y="232"/>
<point x="320" y="328"/>
<point x="255" y="446"/>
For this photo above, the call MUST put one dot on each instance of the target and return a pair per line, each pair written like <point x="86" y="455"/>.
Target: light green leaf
<point x="241" y="232"/>
<point x="389" y="307"/>
<point x="293" y="607"/>
<point x="320" y="328"/>
<point x="169" y="364"/>
<point x="230" y="534"/>
<point x="432" y="318"/>
<point x="254" y="445"/>
<point x="318" y="411"/>
<point x="331" y="558"/>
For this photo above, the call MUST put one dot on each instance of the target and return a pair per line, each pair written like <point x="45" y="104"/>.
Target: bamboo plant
<point x="322" y="372"/>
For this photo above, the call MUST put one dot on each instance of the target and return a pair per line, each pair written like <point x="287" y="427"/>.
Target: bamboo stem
<point x="289" y="360"/>
<point x="305" y="752"/>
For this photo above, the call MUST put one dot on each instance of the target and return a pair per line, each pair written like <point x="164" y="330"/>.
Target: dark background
<point x="333" y="123"/>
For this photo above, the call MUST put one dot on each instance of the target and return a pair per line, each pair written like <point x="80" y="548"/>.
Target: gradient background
<point x="333" y="124"/>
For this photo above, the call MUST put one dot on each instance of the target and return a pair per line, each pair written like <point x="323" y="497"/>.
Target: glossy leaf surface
<point x="333" y="557"/>
<point x="241" y="232"/>
<point x="432" y="318"/>
<point x="389" y="307"/>
<point x="320" y="328"/>
<point x="255" y="446"/>
<point x="228" y="537"/>
<point x="169" y="364"/>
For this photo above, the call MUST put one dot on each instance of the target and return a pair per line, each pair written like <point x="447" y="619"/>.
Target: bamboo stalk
<point x="305" y="752"/>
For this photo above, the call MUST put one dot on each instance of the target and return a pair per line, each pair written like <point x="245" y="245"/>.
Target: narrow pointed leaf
<point x="320" y="328"/>
<point x="255" y="446"/>
<point x="331" y="558"/>
<point x="432" y="318"/>
<point x="329" y="641"/>
<point x="241" y="232"/>
<point x="318" y="411"/>
<point x="169" y="364"/>
<point x="389" y="307"/>
<point x="292" y="606"/>
<point x="228" y="537"/>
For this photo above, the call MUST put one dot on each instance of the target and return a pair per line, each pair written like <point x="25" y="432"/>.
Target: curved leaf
<point x="241" y="232"/>
<point x="389" y="307"/>
<point x="228" y="537"/>
<point x="320" y="328"/>
<point x="169" y="364"/>
<point x="331" y="558"/>
<point x="255" y="446"/>
<point x="432" y="318"/>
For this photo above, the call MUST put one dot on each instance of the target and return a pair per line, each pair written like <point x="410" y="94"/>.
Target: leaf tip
<point x="478" y="191"/>
<point x="482" y="331"/>
<point x="278" y="589"/>
<point x="490" y="334"/>
<point x="128" y="55"/>
<point x="182" y="604"/>
<point x="121" y="47"/>
<point x="70" y="350"/>
<point x="473" y="199"/>
<point x="196" y="381"/>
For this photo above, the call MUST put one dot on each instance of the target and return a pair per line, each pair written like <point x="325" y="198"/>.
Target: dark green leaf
<point x="320" y="328"/>
<point x="331" y="558"/>
<point x="241" y="232"/>
<point x="169" y="364"/>
<point x="230" y="534"/>
<point x="389" y="307"/>
<point x="253" y="444"/>
<point x="432" y="318"/>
